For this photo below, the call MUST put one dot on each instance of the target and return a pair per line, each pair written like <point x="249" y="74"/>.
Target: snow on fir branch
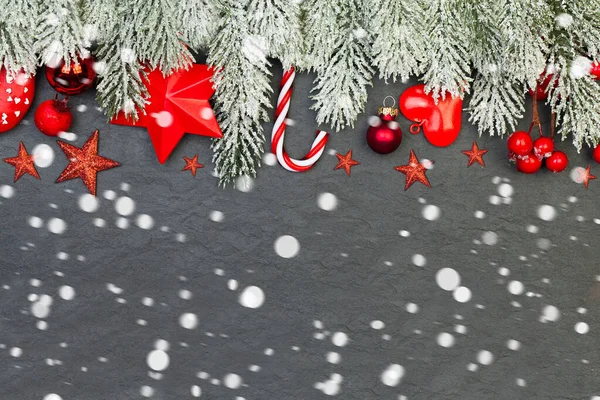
<point x="16" y="42"/>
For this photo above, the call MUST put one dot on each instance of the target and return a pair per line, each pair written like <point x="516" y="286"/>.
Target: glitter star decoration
<point x="414" y="171"/>
<point x="345" y="161"/>
<point x="475" y="155"/>
<point x="584" y="176"/>
<point x="191" y="164"/>
<point x="84" y="162"/>
<point x="23" y="163"/>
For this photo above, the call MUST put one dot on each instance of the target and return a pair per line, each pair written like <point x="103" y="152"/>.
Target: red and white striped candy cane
<point x="283" y="106"/>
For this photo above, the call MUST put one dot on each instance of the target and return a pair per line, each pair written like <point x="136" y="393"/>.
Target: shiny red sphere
<point x="520" y="143"/>
<point x="543" y="146"/>
<point x="529" y="164"/>
<point x="595" y="71"/>
<point x="596" y="154"/>
<point x="72" y="79"/>
<point x="53" y="117"/>
<point x="385" y="137"/>
<point x="557" y="162"/>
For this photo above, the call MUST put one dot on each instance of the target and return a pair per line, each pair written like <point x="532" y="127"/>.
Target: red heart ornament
<point x="440" y="122"/>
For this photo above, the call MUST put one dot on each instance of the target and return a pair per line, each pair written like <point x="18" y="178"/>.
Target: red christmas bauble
<point x="595" y="71"/>
<point x="529" y="164"/>
<point x="384" y="134"/>
<point x="53" y="117"/>
<point x="557" y="162"/>
<point x="520" y="143"/>
<point x="596" y="154"/>
<point x="16" y="96"/>
<point x="543" y="147"/>
<point x="74" y="78"/>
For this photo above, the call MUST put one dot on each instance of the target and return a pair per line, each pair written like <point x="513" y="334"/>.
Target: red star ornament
<point x="345" y="161"/>
<point x="177" y="104"/>
<point x="191" y="164"/>
<point x="414" y="171"/>
<point x="23" y="163"/>
<point x="85" y="163"/>
<point x="585" y="176"/>
<point x="475" y="155"/>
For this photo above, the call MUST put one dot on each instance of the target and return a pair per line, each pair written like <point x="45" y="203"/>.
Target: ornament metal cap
<point x="387" y="112"/>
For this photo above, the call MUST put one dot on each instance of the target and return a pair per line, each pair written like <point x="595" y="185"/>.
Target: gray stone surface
<point x="353" y="268"/>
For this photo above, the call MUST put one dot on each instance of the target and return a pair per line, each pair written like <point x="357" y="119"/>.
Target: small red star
<point x="475" y="155"/>
<point x="584" y="176"/>
<point x="23" y="163"/>
<point x="414" y="171"/>
<point x="84" y="162"/>
<point x="345" y="161"/>
<point x="191" y="164"/>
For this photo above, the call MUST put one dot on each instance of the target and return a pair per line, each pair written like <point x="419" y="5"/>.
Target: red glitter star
<point x="475" y="155"/>
<point x="191" y="164"/>
<point x="584" y="176"/>
<point x="23" y="163"/>
<point x="85" y="163"/>
<point x="345" y="161"/>
<point x="414" y="171"/>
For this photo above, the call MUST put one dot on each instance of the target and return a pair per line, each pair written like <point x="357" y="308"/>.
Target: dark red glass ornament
<point x="72" y="79"/>
<point x="384" y="134"/>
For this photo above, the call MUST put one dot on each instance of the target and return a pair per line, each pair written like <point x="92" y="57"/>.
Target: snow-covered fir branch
<point x="199" y="20"/>
<point x="16" y="42"/>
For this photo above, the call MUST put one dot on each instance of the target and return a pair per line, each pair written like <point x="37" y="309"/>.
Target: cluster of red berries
<point x="530" y="154"/>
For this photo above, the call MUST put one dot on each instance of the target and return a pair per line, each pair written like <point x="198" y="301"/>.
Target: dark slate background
<point x="353" y="268"/>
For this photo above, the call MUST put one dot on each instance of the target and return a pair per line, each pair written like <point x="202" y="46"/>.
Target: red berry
<point x="520" y="143"/>
<point x="542" y="86"/>
<point x="557" y="162"/>
<point x="543" y="147"/>
<point x="595" y="71"/>
<point x="596" y="154"/>
<point x="53" y="116"/>
<point x="529" y="164"/>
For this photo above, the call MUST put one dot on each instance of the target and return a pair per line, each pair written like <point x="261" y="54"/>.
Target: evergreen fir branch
<point x="59" y="32"/>
<point x="587" y="26"/>
<point x="321" y="32"/>
<point x="100" y="19"/>
<point x="242" y="95"/>
<point x="581" y="116"/>
<point x="16" y="43"/>
<point x="199" y="20"/>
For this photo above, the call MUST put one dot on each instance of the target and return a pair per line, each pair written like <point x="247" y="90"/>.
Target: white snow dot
<point x="419" y="260"/>
<point x="70" y="136"/>
<point x="551" y="313"/>
<point x="52" y="396"/>
<point x="374" y="120"/>
<point x="188" y="320"/>
<point x="35" y="222"/>
<point x="339" y="339"/>
<point x="270" y="159"/>
<point x="57" y="226"/>
<point x="378" y="325"/>
<point x="521" y="382"/>
<point x="206" y="113"/>
<point x="460" y="329"/>
<point x="158" y="360"/>
<point x="404" y="233"/>
<point x="412" y="308"/>
<point x="99" y="222"/>
<point x="232" y="381"/>
<point x="513" y="345"/>
<point x="232" y="284"/>
<point x="479" y="214"/>
<point x="196" y="391"/>
<point x="16" y="352"/>
<point x="327" y="201"/>
<point x="392" y="375"/>
<point x="516" y="287"/>
<point x="127" y="55"/>
<point x="490" y="238"/>
<point x="431" y="212"/>
<point x="484" y="357"/>
<point x="110" y="194"/>
<point x="145" y="221"/>
<point x="564" y="20"/>
<point x="185" y="294"/>
<point x="147" y="391"/>
<point x="43" y="155"/>
<point x="88" y="202"/>
<point x="472" y="367"/>
<point x="164" y="119"/>
<point x="125" y="206"/>
<point x="582" y="328"/>
<point x="244" y="183"/>
<point x="162" y="345"/>
<point x="447" y="279"/>
<point x="544" y="244"/>
<point x="333" y="357"/>
<point x="495" y="200"/>
<point x="82" y="108"/>
<point x="533" y="229"/>
<point x="66" y="292"/>
<point x="462" y="294"/>
<point x="287" y="246"/>
<point x="216" y="216"/>
<point x="7" y="191"/>
<point x="445" y="339"/>
<point x="505" y="190"/>
<point x="42" y="325"/>
<point x="252" y="297"/>
<point x="546" y="212"/>
<point x="504" y="271"/>
<point x="122" y="223"/>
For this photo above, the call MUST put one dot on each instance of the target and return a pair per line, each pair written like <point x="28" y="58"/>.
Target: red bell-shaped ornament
<point x="384" y="134"/>
<point x="74" y="78"/>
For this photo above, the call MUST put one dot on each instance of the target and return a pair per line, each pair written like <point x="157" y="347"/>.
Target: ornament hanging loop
<point x="416" y="128"/>
<point x="393" y="104"/>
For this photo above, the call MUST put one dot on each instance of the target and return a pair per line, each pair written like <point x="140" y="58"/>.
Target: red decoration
<point x="595" y="71"/>
<point x="475" y="155"/>
<point x="345" y="161"/>
<point x="596" y="154"/>
<point x="53" y="117"/>
<point x="84" y="162"/>
<point x="191" y="164"/>
<point x="543" y="147"/>
<point x="74" y="78"/>
<point x="23" y="163"/>
<point x="16" y="96"/>
<point x="520" y="143"/>
<point x="557" y="162"/>
<point x="440" y="122"/>
<point x="414" y="171"/>
<point x="384" y="134"/>
<point x="542" y="86"/>
<point x="584" y="176"/>
<point x="177" y="104"/>
<point x="529" y="164"/>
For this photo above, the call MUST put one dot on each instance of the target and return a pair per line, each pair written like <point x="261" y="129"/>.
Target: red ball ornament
<point x="543" y="147"/>
<point x="384" y="134"/>
<point x="596" y="154"/>
<point x="74" y="78"/>
<point x="557" y="162"/>
<point x="529" y="164"/>
<point x="53" y="116"/>
<point x="595" y="71"/>
<point x="520" y="143"/>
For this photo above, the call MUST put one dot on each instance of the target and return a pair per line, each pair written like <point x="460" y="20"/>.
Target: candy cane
<point x="283" y="106"/>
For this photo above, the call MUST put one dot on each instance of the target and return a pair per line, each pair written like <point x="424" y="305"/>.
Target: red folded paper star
<point x="345" y="161"/>
<point x="414" y="171"/>
<point x="23" y="163"/>
<point x="178" y="104"/>
<point x="191" y="164"/>
<point x="85" y="163"/>
<point x="584" y="176"/>
<point x="475" y="155"/>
